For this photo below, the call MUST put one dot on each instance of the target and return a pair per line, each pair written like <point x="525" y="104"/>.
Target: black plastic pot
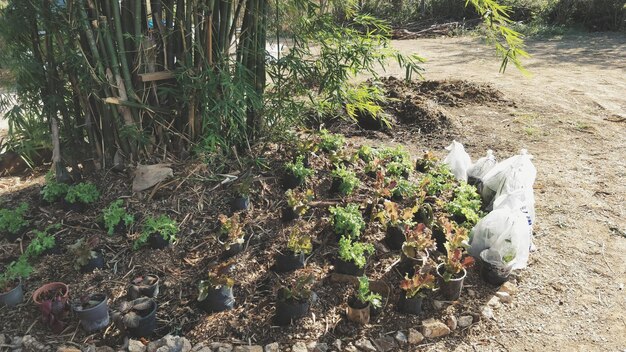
<point x="459" y="218"/>
<point x="147" y="322"/>
<point x="408" y="265"/>
<point x="233" y="250"/>
<point x="411" y="305"/>
<point x="289" y="310"/>
<point x="368" y="122"/>
<point x="451" y="289"/>
<point x="473" y="180"/>
<point x="289" y="214"/>
<point x="348" y="268"/>
<point x="440" y="239"/>
<point x="358" y="312"/>
<point x="96" y="317"/>
<point x="13" y="297"/>
<point x="290" y="181"/>
<point x="288" y="261"/>
<point x="54" y="250"/>
<point x="12" y="237"/>
<point x="394" y="237"/>
<point x="335" y="186"/>
<point x="144" y="288"/>
<point x="218" y="299"/>
<point x="240" y="203"/>
<point x="156" y="241"/>
<point x="93" y="263"/>
<point x="494" y="274"/>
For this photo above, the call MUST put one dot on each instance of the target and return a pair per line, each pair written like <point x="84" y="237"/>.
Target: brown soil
<point x="571" y="297"/>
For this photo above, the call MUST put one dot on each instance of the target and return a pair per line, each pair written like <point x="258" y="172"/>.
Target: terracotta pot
<point x="52" y="286"/>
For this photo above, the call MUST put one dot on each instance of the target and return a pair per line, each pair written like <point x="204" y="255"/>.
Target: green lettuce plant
<point x="465" y="205"/>
<point x="12" y="221"/>
<point x="354" y="251"/>
<point x="42" y="241"/>
<point x="331" y="142"/>
<point x="84" y="192"/>
<point x="347" y="178"/>
<point x="16" y="270"/>
<point x="53" y="190"/>
<point x="297" y="168"/>
<point x="115" y="214"/>
<point x="365" y="296"/>
<point x="162" y="226"/>
<point x="347" y="221"/>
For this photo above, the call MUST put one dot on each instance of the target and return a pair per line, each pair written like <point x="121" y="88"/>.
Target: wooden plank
<point x="156" y="76"/>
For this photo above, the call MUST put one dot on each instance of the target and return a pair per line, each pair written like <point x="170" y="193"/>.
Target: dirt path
<point x="567" y="114"/>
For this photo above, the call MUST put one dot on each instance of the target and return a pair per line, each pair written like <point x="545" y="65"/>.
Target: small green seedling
<point x="115" y="214"/>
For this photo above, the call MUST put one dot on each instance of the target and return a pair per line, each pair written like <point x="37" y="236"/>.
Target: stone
<point x="248" y="348"/>
<point x="415" y="337"/>
<point x="17" y="341"/>
<point x="365" y="344"/>
<point x="201" y="347"/>
<point x="146" y="176"/>
<point x="105" y="349"/>
<point x="385" y="344"/>
<point x="432" y="328"/>
<point x="509" y="288"/>
<point x="337" y="344"/>
<point x="272" y="347"/>
<point x="465" y="321"/>
<point x="299" y="347"/>
<point x="452" y="322"/>
<point x="494" y="302"/>
<point x="437" y="304"/>
<point x="4" y="339"/>
<point x="314" y="346"/>
<point x="68" y="349"/>
<point x="504" y="297"/>
<point x="487" y="313"/>
<point x="221" y="346"/>
<point x="351" y="348"/>
<point x="401" y="338"/>
<point x="30" y="344"/>
<point x="136" y="346"/>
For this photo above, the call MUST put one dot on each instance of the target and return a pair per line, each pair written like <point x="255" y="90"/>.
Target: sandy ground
<point x="570" y="115"/>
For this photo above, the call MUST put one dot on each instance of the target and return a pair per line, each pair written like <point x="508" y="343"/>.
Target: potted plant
<point x="398" y="160"/>
<point x="158" y="233"/>
<point x="116" y="219"/>
<point x="396" y="222"/>
<point x="241" y="201"/>
<point x="231" y="234"/>
<point x="43" y="243"/>
<point x="52" y="300"/>
<point x="452" y="270"/>
<point x="297" y="204"/>
<point x="437" y="181"/>
<point x="12" y="222"/>
<point x="53" y="191"/>
<point x="415" y="249"/>
<point x="344" y="181"/>
<point x="11" y="290"/>
<point x="137" y="317"/>
<point x="86" y="258"/>
<point x="293" y="303"/>
<point x="331" y="142"/>
<point x="403" y="189"/>
<point x="347" y="221"/>
<point x="425" y="215"/>
<point x="495" y="267"/>
<point x="216" y="292"/>
<point x="79" y="196"/>
<point x="373" y="166"/>
<point x="367" y="153"/>
<point x="359" y="305"/>
<point x="296" y="173"/>
<point x="352" y="257"/>
<point x="427" y="162"/>
<point x="465" y="206"/>
<point x="92" y="311"/>
<point x="144" y="286"/>
<point x="410" y="301"/>
<point x="298" y="246"/>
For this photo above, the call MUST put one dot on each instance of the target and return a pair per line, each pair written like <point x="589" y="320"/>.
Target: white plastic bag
<point x="458" y="160"/>
<point x="481" y="167"/>
<point x="514" y="173"/>
<point x="504" y="231"/>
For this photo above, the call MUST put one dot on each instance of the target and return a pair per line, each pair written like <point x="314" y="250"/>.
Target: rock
<point x="415" y="337"/>
<point x="365" y="344"/>
<point x="385" y="344"/>
<point x="509" y="288"/>
<point x="437" y="304"/>
<point x="3" y="339"/>
<point x="30" y="344"/>
<point x="272" y="347"/>
<point x="337" y="344"/>
<point x="249" y="348"/>
<point x="314" y="346"/>
<point x="451" y="322"/>
<point x="351" y="348"/>
<point x="136" y="346"/>
<point x="432" y="328"/>
<point x="221" y="346"/>
<point x="147" y="176"/>
<point x="67" y="349"/>
<point x="401" y="338"/>
<point x="494" y="302"/>
<point x="299" y="347"/>
<point x="487" y="313"/>
<point x="465" y="321"/>
<point x="201" y="347"/>
<point x="504" y="297"/>
<point x="471" y="292"/>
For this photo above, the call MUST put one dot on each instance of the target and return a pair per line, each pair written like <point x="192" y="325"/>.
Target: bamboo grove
<point x="122" y="79"/>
